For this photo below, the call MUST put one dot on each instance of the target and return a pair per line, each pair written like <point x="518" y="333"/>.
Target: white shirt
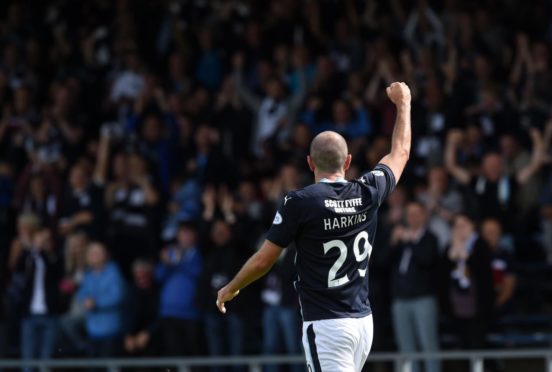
<point x="269" y="116"/>
<point x="38" y="300"/>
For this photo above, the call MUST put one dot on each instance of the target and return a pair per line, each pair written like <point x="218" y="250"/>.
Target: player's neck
<point x="329" y="177"/>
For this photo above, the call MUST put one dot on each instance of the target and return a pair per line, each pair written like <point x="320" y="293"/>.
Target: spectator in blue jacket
<point x="101" y="294"/>
<point x="178" y="274"/>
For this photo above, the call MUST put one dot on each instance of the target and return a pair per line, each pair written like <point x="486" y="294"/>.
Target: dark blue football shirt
<point x="333" y="226"/>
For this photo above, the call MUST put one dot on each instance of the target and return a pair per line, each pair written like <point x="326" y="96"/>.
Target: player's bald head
<point x="328" y="151"/>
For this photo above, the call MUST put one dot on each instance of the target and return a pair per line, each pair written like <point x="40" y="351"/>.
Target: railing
<point x="402" y="361"/>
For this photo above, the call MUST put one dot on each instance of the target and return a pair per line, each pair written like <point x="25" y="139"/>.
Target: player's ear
<point x="310" y="163"/>
<point x="347" y="163"/>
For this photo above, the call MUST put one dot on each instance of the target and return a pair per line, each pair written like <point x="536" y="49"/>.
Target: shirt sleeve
<point x="382" y="179"/>
<point x="286" y="222"/>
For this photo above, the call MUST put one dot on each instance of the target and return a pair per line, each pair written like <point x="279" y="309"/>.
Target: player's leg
<point x="330" y="345"/>
<point x="366" y="326"/>
<point x="426" y="318"/>
<point x="306" y="348"/>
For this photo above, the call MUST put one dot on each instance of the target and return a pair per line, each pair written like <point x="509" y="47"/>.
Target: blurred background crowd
<point x="145" y="145"/>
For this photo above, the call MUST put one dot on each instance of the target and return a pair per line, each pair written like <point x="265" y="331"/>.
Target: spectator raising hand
<point x="273" y="110"/>
<point x="494" y="190"/>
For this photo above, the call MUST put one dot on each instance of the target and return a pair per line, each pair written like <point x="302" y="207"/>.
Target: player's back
<point x="333" y="225"/>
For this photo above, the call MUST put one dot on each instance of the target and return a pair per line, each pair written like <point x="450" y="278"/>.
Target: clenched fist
<point x="398" y="93"/>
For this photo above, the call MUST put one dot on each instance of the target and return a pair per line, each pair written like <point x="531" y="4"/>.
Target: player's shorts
<point x="337" y="345"/>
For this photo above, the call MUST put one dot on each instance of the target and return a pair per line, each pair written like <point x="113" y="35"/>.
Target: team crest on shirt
<point x="277" y="219"/>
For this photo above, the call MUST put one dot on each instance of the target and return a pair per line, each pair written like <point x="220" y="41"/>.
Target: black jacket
<point x="418" y="280"/>
<point x="53" y="271"/>
<point x="479" y="267"/>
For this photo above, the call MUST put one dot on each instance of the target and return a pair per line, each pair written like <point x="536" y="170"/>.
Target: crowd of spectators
<point x="145" y="145"/>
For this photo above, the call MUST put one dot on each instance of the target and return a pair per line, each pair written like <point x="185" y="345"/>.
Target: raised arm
<point x="399" y="94"/>
<point x="257" y="266"/>
<point x="461" y="174"/>
<point x="248" y="97"/>
<point x="410" y="29"/>
<point x="102" y="160"/>
<point x="299" y="96"/>
<point x="520" y="59"/>
<point x="537" y="157"/>
<point x="438" y="29"/>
